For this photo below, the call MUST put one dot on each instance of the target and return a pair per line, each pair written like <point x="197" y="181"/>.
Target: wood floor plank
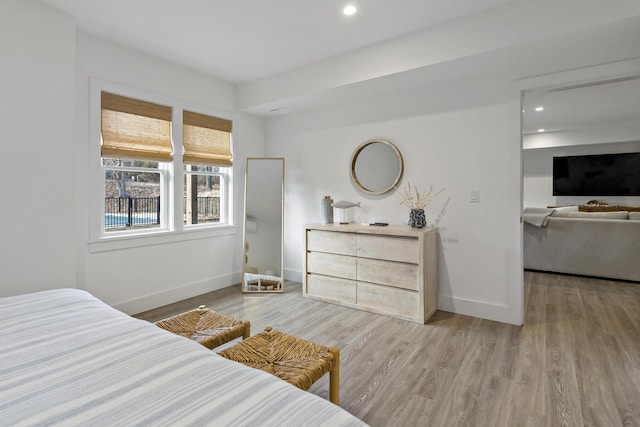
<point x="575" y="361"/>
<point x="529" y="405"/>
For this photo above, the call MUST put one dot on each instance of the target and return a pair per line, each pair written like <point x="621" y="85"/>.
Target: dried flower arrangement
<point x="415" y="199"/>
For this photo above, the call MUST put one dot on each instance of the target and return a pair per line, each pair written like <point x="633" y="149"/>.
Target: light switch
<point x="474" y="196"/>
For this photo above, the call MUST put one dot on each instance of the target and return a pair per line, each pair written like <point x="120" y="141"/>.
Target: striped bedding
<point x="67" y="358"/>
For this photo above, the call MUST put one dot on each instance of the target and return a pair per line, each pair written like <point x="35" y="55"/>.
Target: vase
<point x="326" y="210"/>
<point x="417" y="219"/>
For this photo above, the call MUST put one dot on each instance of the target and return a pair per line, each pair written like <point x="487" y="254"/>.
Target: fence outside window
<point x="122" y="213"/>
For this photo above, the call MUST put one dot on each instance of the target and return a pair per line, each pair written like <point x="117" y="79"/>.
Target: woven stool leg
<point x="247" y="330"/>
<point x="334" y="378"/>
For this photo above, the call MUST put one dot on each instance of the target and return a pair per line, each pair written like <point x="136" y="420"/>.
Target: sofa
<point x="599" y="244"/>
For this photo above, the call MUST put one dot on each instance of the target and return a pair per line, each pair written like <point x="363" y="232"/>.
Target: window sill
<point x="116" y="243"/>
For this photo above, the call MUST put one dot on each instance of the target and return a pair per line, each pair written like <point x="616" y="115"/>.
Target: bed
<point x="67" y="358"/>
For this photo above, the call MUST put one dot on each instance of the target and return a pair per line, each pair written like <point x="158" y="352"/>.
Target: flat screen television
<point x="597" y="175"/>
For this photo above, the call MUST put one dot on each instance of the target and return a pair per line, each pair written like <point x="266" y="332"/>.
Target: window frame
<point x="163" y="171"/>
<point x="171" y="228"/>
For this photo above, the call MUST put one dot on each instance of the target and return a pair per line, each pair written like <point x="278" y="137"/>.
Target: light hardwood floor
<point x="575" y="362"/>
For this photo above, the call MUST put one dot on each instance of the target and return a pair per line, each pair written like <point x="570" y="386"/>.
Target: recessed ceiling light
<point x="540" y="130"/>
<point x="539" y="108"/>
<point x="349" y="10"/>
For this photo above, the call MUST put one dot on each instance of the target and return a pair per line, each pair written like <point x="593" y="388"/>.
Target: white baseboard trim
<point x="169" y="296"/>
<point x="467" y="307"/>
<point x="474" y="308"/>
<point x="481" y="309"/>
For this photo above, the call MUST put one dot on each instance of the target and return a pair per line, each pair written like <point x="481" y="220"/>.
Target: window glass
<point x="133" y="194"/>
<point x="203" y="192"/>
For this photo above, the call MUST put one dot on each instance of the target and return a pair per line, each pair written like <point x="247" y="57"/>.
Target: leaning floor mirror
<point x="263" y="261"/>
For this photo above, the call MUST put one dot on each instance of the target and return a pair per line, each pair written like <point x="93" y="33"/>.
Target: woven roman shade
<point x="206" y="140"/>
<point x="135" y="129"/>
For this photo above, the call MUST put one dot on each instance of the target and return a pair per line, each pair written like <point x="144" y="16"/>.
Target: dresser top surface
<point x="388" y="230"/>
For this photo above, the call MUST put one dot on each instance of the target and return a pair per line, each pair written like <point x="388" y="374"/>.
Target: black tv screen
<point x="597" y="175"/>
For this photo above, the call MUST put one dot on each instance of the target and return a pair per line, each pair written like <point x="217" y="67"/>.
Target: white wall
<point x="538" y="174"/>
<point x="37" y="113"/>
<point x="461" y="148"/>
<point x="45" y="75"/>
<point x="159" y="272"/>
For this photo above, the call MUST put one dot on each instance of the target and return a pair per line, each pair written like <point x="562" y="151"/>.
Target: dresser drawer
<point x="331" y="264"/>
<point x="332" y="242"/>
<point x="393" y="300"/>
<point x="395" y="274"/>
<point x="331" y="288"/>
<point x="392" y="248"/>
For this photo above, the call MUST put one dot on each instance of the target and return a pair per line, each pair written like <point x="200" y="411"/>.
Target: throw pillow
<point x="573" y="208"/>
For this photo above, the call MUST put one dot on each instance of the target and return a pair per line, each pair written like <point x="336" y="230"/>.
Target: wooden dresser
<point x="388" y="270"/>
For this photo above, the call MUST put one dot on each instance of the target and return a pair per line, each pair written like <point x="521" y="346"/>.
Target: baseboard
<point x="481" y="309"/>
<point x="586" y="276"/>
<point x="474" y="308"/>
<point x="169" y="296"/>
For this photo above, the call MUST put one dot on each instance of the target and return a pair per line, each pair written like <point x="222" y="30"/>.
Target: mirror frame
<point x="354" y="159"/>
<point x="243" y="285"/>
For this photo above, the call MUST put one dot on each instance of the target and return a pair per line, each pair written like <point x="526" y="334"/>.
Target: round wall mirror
<point x="376" y="166"/>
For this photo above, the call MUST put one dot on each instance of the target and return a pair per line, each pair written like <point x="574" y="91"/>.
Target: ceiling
<point x="616" y="103"/>
<point x="244" y="40"/>
<point x="291" y="56"/>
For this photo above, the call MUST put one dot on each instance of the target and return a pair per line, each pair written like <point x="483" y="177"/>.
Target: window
<point x="207" y="157"/>
<point x="204" y="188"/>
<point x="139" y="169"/>
<point x="132" y="194"/>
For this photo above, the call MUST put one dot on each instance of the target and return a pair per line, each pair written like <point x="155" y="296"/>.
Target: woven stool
<point x="297" y="361"/>
<point x="207" y="327"/>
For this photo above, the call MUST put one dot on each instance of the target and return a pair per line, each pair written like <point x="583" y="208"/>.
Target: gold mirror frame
<point x="354" y="162"/>
<point x="263" y="214"/>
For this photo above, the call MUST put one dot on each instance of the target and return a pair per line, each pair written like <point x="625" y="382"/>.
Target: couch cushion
<point x="635" y="216"/>
<point x="592" y="215"/>
<point x="573" y="208"/>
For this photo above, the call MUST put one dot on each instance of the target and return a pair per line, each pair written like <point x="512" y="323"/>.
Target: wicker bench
<point x="207" y="327"/>
<point x="292" y="359"/>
